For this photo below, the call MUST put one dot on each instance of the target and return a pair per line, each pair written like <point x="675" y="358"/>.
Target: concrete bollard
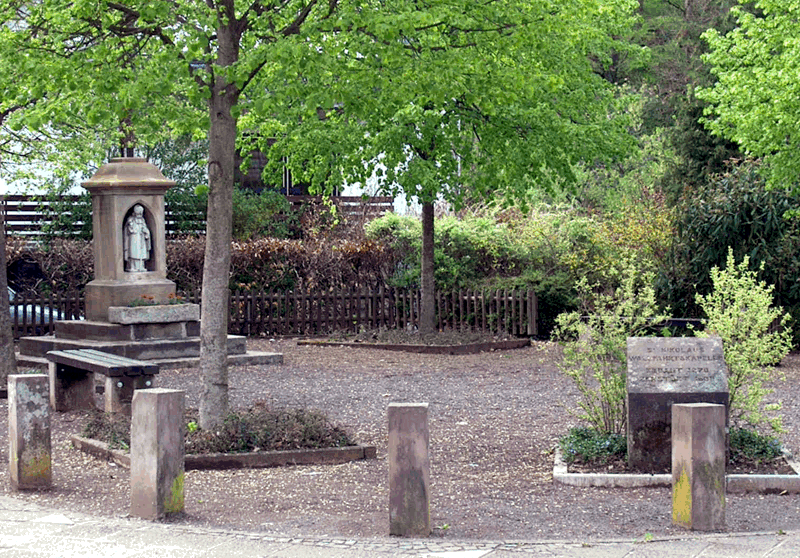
<point x="409" y="470"/>
<point x="698" y="466"/>
<point x="157" y="453"/>
<point x="29" y="457"/>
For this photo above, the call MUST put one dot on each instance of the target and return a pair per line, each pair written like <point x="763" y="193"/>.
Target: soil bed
<point x="494" y="420"/>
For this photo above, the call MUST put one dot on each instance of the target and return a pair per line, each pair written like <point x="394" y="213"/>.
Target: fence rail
<point x="26" y="216"/>
<point x="303" y="312"/>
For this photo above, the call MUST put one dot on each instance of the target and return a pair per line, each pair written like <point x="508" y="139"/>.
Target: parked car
<point x="33" y="315"/>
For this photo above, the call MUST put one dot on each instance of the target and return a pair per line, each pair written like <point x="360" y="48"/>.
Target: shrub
<point x="735" y="210"/>
<point x="753" y="446"/>
<point x="588" y="445"/>
<point x="61" y="265"/>
<point x="268" y="214"/>
<point x="754" y="337"/>
<point x="595" y="344"/>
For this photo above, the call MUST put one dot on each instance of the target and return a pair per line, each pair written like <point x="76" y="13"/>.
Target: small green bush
<point x="595" y="344"/>
<point x="754" y="337"/>
<point x="588" y="445"/>
<point x="751" y="445"/>
<point x="268" y="214"/>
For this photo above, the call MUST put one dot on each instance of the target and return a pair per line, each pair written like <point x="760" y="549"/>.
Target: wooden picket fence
<point x="304" y="312"/>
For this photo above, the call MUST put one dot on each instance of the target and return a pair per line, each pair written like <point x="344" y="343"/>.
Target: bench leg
<point x="119" y="391"/>
<point x="70" y="388"/>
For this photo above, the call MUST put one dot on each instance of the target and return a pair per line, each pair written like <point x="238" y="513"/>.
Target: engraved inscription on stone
<point x="676" y="364"/>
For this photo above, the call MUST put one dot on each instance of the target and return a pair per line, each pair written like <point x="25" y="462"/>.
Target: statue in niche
<point x="136" y="242"/>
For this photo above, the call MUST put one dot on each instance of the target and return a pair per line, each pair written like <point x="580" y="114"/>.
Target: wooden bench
<point x="72" y="373"/>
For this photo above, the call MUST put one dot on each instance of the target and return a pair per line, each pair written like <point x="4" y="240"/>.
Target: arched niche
<point x="139" y="239"/>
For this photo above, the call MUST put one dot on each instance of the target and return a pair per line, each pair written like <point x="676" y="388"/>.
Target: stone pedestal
<point x="698" y="466"/>
<point x="157" y="453"/>
<point x="118" y="189"/>
<point x="30" y="463"/>
<point x="409" y="470"/>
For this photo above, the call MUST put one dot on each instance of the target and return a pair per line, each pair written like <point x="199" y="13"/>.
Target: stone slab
<point x="106" y="331"/>
<point x="140" y="350"/>
<point x="662" y="372"/>
<point x="676" y="364"/>
<point x="157" y="314"/>
<point x="104" y="294"/>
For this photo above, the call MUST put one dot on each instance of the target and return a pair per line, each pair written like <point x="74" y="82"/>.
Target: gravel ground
<point x="494" y="419"/>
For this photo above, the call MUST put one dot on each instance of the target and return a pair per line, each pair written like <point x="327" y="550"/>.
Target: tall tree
<point x="458" y="98"/>
<point x="151" y="66"/>
<point x="756" y="99"/>
<point x="456" y="102"/>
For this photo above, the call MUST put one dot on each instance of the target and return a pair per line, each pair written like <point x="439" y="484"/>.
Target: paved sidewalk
<point x="28" y="531"/>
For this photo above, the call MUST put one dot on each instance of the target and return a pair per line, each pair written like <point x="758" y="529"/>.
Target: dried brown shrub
<point x="57" y="266"/>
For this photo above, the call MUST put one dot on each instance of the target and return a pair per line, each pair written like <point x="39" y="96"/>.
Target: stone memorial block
<point x="409" y="470"/>
<point x="663" y="371"/>
<point x="30" y="457"/>
<point x="698" y="466"/>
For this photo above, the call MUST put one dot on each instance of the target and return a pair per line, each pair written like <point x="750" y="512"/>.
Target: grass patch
<point x="258" y="428"/>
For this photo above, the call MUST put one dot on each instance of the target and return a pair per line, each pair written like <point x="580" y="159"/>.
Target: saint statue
<point x="136" y="243"/>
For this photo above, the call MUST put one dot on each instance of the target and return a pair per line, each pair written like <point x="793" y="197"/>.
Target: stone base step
<point x="151" y="349"/>
<point x="248" y="358"/>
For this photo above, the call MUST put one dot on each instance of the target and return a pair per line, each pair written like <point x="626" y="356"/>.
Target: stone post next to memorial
<point x="698" y="466"/>
<point x="663" y="371"/>
<point x="130" y="258"/>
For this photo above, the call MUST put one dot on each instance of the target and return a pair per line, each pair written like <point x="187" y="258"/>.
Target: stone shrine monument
<point x="130" y="303"/>
<point x="663" y="371"/>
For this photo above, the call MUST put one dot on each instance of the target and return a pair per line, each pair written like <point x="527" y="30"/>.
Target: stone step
<point x="105" y="331"/>
<point x="140" y="350"/>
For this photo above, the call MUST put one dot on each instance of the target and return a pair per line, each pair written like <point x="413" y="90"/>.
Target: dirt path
<point x="494" y="419"/>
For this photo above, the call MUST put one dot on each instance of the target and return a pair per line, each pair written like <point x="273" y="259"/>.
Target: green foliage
<point x="753" y="446"/>
<point x="65" y="217"/>
<point x="183" y="160"/>
<point x="755" y="100"/>
<point x="588" y="445"/>
<point x="754" y="337"/>
<point x="257" y="215"/>
<point x="734" y="210"/>
<point x="595" y="344"/>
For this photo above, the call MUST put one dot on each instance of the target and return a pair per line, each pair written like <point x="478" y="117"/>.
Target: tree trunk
<point x="216" y="269"/>
<point x="427" y="312"/>
<point x="8" y="361"/>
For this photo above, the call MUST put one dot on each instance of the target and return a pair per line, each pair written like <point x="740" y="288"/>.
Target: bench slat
<point x="102" y="363"/>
